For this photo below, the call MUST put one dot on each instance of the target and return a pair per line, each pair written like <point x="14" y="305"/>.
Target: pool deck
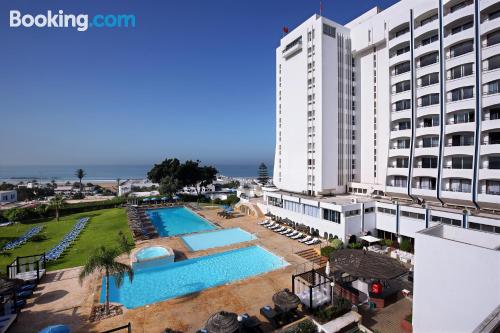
<point x="71" y="303"/>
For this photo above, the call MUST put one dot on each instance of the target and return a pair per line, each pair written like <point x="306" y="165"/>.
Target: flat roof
<point x="466" y="236"/>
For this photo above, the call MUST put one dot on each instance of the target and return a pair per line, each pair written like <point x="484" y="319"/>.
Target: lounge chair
<point x="312" y="241"/>
<point x="297" y="236"/>
<point x="305" y="239"/>
<point x="286" y="231"/>
<point x="270" y="225"/>
<point x="279" y="229"/>
<point x="264" y="222"/>
<point x="292" y="233"/>
<point x="275" y="227"/>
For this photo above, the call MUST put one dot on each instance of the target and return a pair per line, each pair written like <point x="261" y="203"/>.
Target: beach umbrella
<point x="55" y="329"/>
<point x="145" y="199"/>
<point x="175" y="197"/>
<point x="222" y="322"/>
<point x="286" y="300"/>
<point x="327" y="268"/>
<point x="164" y="199"/>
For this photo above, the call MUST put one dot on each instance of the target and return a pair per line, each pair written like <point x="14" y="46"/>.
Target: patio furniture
<point x="271" y="315"/>
<point x="222" y="322"/>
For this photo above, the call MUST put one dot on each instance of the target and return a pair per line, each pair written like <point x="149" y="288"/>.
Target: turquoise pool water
<point x="207" y="240"/>
<point x="165" y="281"/>
<point x="177" y="221"/>
<point x="151" y="252"/>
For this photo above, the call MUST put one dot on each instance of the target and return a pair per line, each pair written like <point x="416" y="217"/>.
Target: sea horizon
<point x="59" y="173"/>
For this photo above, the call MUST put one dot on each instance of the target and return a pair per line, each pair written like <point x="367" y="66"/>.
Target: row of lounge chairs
<point x="23" y="239"/>
<point x="56" y="252"/>
<point x="139" y="223"/>
<point x="290" y="233"/>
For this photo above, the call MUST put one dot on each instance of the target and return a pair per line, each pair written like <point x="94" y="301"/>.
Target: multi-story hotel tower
<point x="390" y="126"/>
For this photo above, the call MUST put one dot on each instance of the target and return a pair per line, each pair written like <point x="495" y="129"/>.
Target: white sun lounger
<point x="279" y="229"/>
<point x="307" y="238"/>
<point x="312" y="241"/>
<point x="274" y="227"/>
<point x="270" y="225"/>
<point x="291" y="233"/>
<point x="297" y="236"/>
<point x="286" y="231"/>
<point x="264" y="222"/>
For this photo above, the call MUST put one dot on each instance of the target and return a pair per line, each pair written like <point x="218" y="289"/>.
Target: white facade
<point x="313" y="83"/>
<point x="8" y="196"/>
<point x="456" y="279"/>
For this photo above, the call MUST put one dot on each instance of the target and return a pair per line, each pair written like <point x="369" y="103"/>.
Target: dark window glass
<point x="493" y="87"/>
<point x="429" y="162"/>
<point x="494" y="162"/>
<point x="459" y="6"/>
<point x="461" y="93"/>
<point x="494" y="62"/>
<point x="493" y="38"/>
<point x="461" y="162"/>
<point x="429" y="19"/>
<point x="429" y="79"/>
<point x="402" y="68"/>
<point x="430" y="141"/>
<point x="430" y="99"/>
<point x="461" y="49"/>
<point x="429" y="40"/>
<point x="403" y="105"/>
<point x="401" y="32"/>
<point x="494" y="138"/>
<point x="429" y="59"/>
<point x="462" y="27"/>
<point x="495" y="113"/>
<point x="402" y="86"/>
<point x="494" y="15"/>
<point x="403" y="50"/>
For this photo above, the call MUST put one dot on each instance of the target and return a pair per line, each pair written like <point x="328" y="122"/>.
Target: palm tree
<point x="80" y="173"/>
<point x="104" y="260"/>
<point x="57" y="202"/>
<point x="118" y="186"/>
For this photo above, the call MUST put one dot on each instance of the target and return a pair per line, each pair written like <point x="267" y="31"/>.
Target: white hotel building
<point x="390" y="124"/>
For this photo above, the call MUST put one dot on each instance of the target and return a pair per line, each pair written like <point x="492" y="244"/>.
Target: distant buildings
<point x="8" y="197"/>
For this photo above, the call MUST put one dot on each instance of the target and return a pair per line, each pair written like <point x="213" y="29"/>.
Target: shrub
<point x="339" y="307"/>
<point x="387" y="242"/>
<point x="327" y="250"/>
<point x="336" y="244"/>
<point x="305" y="326"/>
<point x="355" y="246"/>
<point x="38" y="238"/>
<point x="405" y="245"/>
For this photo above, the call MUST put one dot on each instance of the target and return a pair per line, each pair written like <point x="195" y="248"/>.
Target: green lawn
<point x="102" y="229"/>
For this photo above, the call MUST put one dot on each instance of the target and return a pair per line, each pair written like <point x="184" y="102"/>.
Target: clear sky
<point x="195" y="79"/>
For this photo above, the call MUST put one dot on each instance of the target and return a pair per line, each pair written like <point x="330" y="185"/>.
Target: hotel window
<point x="311" y="210"/>
<point x="494" y="62"/>
<point x="403" y="50"/>
<point x="493" y="187"/>
<point x="399" y="181"/>
<point x="401" y="32"/>
<point x="494" y="162"/>
<point x="430" y="99"/>
<point x="428" y="40"/>
<point x="404" y="125"/>
<point x="464" y="117"/>
<point x="369" y="210"/>
<point x="429" y="19"/>
<point x="460" y="185"/>
<point x="492" y="87"/>
<point x="431" y="121"/>
<point x="459" y="6"/>
<point x="462" y="140"/>
<point x="403" y="144"/>
<point x="427" y="183"/>
<point x="462" y="27"/>
<point x="412" y="215"/>
<point x="493" y="38"/>
<point x="429" y="59"/>
<point x="429" y="79"/>
<point x="352" y="213"/>
<point x="331" y="215"/>
<point x="494" y="15"/>
<point x="292" y="206"/>
<point x="402" y="162"/>
<point x="461" y="49"/>
<point x="402" y="105"/>
<point x="461" y="162"/>
<point x="494" y="113"/>
<point x="402" y="86"/>
<point x="445" y="220"/>
<point x="460" y="71"/>
<point x="329" y="30"/>
<point x="386" y="210"/>
<point x="402" y="68"/>
<point x="461" y="93"/>
<point x="429" y="162"/>
<point x="274" y="202"/>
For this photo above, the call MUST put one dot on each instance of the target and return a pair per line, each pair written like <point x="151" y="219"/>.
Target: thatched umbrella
<point x="286" y="300"/>
<point x="222" y="322"/>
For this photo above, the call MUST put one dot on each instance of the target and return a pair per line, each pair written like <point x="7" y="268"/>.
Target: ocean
<point x="105" y="172"/>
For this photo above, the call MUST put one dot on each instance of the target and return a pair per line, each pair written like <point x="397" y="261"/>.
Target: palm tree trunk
<point x="80" y="184"/>
<point x="57" y="214"/>
<point x="106" y="306"/>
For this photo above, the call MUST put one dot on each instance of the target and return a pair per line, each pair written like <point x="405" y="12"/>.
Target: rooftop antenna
<point x="321" y="8"/>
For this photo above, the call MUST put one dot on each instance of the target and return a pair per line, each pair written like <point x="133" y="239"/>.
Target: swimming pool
<point x="163" y="282"/>
<point x="151" y="252"/>
<point x="177" y="221"/>
<point x="207" y="240"/>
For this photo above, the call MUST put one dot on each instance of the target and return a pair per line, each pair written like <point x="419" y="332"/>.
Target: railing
<point x="128" y="327"/>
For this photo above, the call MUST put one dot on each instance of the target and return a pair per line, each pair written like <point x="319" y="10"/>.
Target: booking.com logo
<point x="61" y="20"/>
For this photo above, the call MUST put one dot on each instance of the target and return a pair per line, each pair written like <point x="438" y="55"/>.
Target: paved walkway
<point x="388" y="319"/>
<point x="61" y="299"/>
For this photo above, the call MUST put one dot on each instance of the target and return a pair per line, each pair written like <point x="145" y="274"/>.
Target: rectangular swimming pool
<point x="166" y="281"/>
<point x="177" y="221"/>
<point x="207" y="240"/>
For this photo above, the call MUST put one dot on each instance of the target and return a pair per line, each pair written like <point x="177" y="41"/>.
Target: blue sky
<point x="194" y="79"/>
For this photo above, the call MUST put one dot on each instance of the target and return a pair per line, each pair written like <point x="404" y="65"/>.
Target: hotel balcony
<point x="488" y="25"/>
<point x="424" y="193"/>
<point x="458" y="14"/>
<point x="397" y="115"/>
<point x="488" y="201"/>
<point x="396" y="191"/>
<point x="393" y="171"/>
<point x="490" y="51"/>
<point x="486" y="3"/>
<point x="433" y="68"/>
<point x="431" y="151"/>
<point x="400" y="96"/>
<point x="424" y="49"/>
<point x="462" y="127"/>
<point x="459" y="150"/>
<point x="291" y="50"/>
<point x="487" y="149"/>
<point x="460" y="60"/>
<point x="394" y="152"/>
<point x="464" y="81"/>
<point x="428" y="110"/>
<point x="424" y="172"/>
<point x="399" y="40"/>
<point x="430" y="89"/>
<point x="487" y="125"/>
<point x="458" y="37"/>
<point x="400" y="77"/>
<point x="400" y="134"/>
<point x="490" y="75"/>
<point x="489" y="174"/>
<point x="421" y="131"/>
<point x="491" y="99"/>
<point x="448" y="172"/>
<point x="424" y="29"/>
<point x="397" y="59"/>
<point x="457" y="198"/>
<point x="464" y="104"/>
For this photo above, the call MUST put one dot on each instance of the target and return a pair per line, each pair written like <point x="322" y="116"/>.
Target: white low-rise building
<point x="8" y="197"/>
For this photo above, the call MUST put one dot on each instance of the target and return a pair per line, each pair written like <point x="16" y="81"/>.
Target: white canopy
<point x="370" y="239"/>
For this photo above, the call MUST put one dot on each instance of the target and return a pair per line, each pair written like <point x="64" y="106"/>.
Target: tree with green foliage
<point x="80" y="174"/>
<point x="263" y="177"/>
<point x="56" y="203"/>
<point x="104" y="260"/>
<point x="169" y="186"/>
<point x="336" y="243"/>
<point x="169" y="167"/>
<point x="16" y="214"/>
<point x="123" y="243"/>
